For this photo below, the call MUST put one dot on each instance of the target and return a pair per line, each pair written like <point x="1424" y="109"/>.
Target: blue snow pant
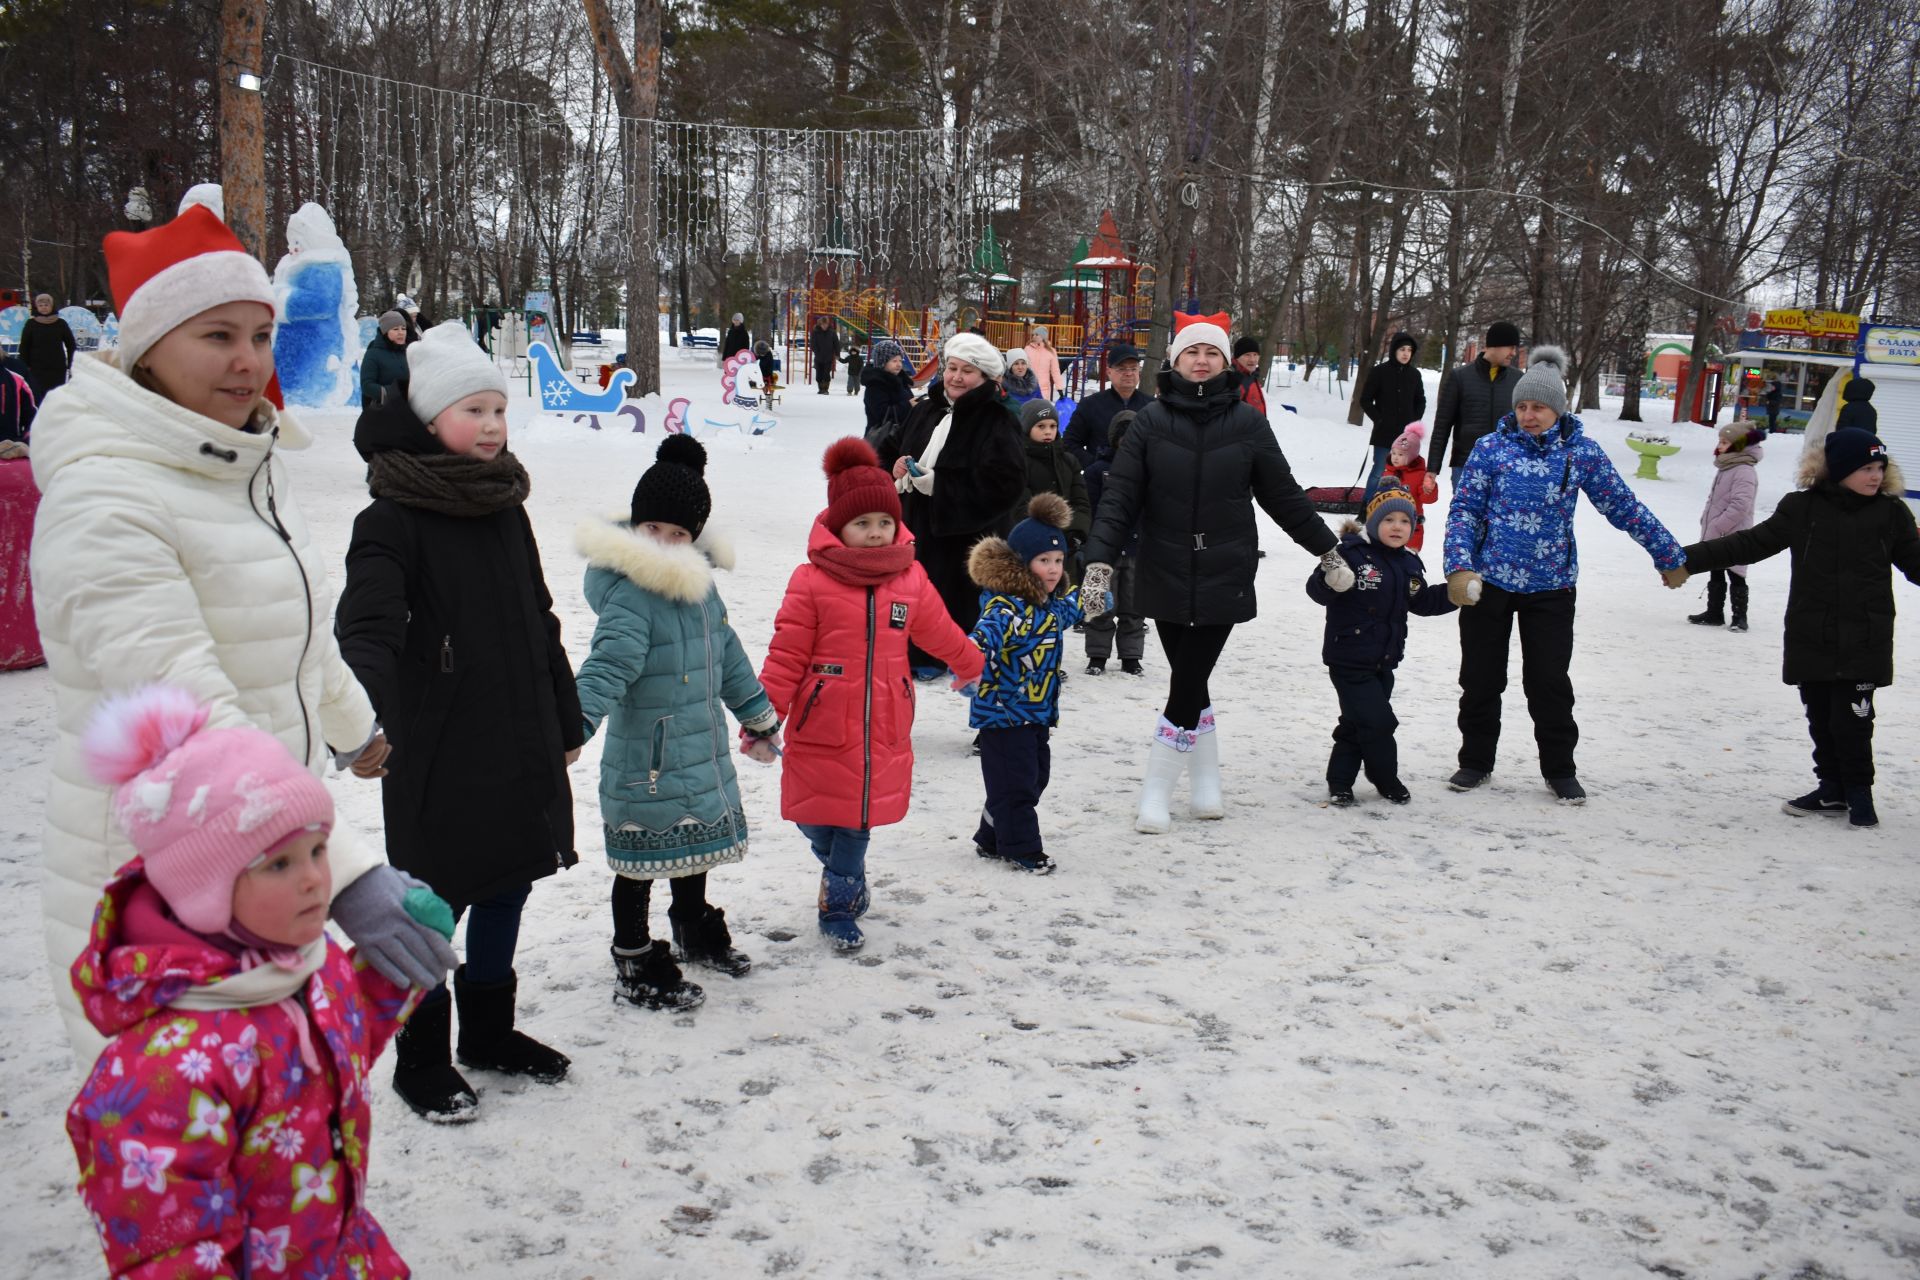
<point x="1016" y="764"/>
<point x="843" y="879"/>
<point x="1364" y="736"/>
<point x="493" y="935"/>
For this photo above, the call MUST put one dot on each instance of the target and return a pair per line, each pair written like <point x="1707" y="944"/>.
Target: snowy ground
<point x="1671" y="1033"/>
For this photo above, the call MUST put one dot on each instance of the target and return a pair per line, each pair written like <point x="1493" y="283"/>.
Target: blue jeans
<point x="1380" y="452"/>
<point x="493" y="935"/>
<point x="843" y="855"/>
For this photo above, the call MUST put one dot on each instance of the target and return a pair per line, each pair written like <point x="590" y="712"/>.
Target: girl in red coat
<point x="1408" y="464"/>
<point x="837" y="673"/>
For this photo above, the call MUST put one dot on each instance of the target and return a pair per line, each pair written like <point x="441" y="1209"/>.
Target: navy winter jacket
<point x="1367" y="624"/>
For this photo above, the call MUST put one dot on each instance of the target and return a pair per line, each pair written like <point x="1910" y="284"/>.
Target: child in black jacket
<point x="1366" y="637"/>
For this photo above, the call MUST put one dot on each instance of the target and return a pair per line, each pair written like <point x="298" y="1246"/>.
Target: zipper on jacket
<point x="659" y="746"/>
<point x="807" y="710"/>
<point x="866" y="737"/>
<point x="1199" y="538"/>
<point x="446" y="653"/>
<point x="272" y="521"/>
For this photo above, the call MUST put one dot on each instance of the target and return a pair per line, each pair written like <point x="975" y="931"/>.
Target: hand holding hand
<point x="1463" y="588"/>
<point x="1675" y="578"/>
<point x="1096" y="592"/>
<point x="1335" y="569"/>
<point x="372" y="761"/>
<point x="573" y="755"/>
<point x="374" y="912"/>
<point x="760" y="750"/>
<point x="966" y="687"/>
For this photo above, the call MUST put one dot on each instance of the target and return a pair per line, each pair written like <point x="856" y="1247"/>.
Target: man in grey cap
<point x="1086" y="435"/>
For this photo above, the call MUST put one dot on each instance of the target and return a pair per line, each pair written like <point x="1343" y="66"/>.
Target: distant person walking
<point x="737" y="339"/>
<point x="824" y="343"/>
<point x="1394" y="397"/>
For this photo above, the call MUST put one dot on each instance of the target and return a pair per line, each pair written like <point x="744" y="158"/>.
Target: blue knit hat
<point x="1043" y="530"/>
<point x="885" y="350"/>
<point x="1392" y="496"/>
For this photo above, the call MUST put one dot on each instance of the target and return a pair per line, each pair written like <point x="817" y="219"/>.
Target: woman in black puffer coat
<point x="1187" y="476"/>
<point x="973" y="471"/>
<point x="1393" y="397"/>
<point x="887" y="385"/>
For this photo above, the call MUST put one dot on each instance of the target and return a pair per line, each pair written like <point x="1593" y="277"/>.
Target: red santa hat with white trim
<point x="164" y="277"/>
<point x="1191" y="331"/>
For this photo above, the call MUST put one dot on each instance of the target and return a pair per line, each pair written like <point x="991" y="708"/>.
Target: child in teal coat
<point x="664" y="661"/>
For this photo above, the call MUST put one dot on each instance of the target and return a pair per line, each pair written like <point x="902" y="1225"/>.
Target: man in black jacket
<point x="1393" y="397"/>
<point x="1473" y="399"/>
<point x="737" y="338"/>
<point x="1088" y="430"/>
<point x="824" y="343"/>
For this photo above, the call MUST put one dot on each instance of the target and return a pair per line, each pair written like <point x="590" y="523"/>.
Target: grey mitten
<point x="1336" y="570"/>
<point x="1096" y="590"/>
<point x="373" y="912"/>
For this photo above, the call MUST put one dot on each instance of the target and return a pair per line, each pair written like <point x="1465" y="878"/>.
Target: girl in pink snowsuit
<point x="223" y="1131"/>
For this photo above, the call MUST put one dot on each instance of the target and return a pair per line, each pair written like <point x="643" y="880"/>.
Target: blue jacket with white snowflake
<point x="1367" y="623"/>
<point x="1511" y="521"/>
<point x="1020" y="632"/>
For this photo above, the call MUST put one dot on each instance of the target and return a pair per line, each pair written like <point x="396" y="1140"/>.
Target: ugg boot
<point x="704" y="940"/>
<point x="650" y="979"/>
<point x="1715" y="614"/>
<point x="1166" y="761"/>
<point x="487" y="1037"/>
<point x="423" y="1070"/>
<point x="1738" y="587"/>
<point x="1203" y="771"/>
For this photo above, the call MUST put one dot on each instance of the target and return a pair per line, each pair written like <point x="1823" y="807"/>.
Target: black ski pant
<point x="1840" y="718"/>
<point x="1016" y="764"/>
<point x="1546" y="653"/>
<point x="1364" y="736"/>
<point x="1120" y="620"/>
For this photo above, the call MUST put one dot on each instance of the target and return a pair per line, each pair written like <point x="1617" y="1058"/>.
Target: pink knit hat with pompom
<point x="1408" y="441"/>
<point x="201" y="805"/>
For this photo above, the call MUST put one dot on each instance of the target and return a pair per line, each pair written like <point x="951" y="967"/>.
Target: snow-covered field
<point x="1671" y="1033"/>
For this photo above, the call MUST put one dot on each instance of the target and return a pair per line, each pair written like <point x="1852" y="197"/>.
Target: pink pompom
<point x="1415" y="429"/>
<point x="130" y="733"/>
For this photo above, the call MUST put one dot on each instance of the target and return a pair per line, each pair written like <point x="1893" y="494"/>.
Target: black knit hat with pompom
<point x="674" y="488"/>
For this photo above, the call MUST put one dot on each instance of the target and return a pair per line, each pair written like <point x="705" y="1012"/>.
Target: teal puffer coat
<point x="663" y="664"/>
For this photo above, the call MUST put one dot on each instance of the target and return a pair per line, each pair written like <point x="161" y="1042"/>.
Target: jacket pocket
<point x="653" y="757"/>
<point x="822" y="718"/>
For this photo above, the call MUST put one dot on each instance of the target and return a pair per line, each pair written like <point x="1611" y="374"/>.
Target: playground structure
<point x="1105" y="297"/>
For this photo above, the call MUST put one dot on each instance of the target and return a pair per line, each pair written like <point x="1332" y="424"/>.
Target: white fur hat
<point x="976" y="351"/>
<point x="445" y="366"/>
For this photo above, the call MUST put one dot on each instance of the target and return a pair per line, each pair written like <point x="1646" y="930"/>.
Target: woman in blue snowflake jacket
<point x="1510" y="557"/>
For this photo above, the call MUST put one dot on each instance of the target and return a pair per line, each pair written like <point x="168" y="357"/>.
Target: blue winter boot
<point x="842" y="900"/>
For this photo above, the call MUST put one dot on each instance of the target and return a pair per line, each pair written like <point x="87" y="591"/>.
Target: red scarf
<point x="863" y="566"/>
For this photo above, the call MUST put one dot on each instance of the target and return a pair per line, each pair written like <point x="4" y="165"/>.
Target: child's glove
<point x="1463" y="588"/>
<point x="1675" y="578"/>
<point x="763" y="749"/>
<point x="1097" y="589"/>
<point x="430" y="909"/>
<point x="1335" y="569"/>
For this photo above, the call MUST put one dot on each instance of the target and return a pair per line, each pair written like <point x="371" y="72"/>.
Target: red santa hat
<point x="1189" y="331"/>
<point x="164" y="277"/>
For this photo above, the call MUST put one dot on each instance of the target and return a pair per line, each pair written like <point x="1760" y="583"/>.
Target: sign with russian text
<point x="1885" y="344"/>
<point x="1813" y="324"/>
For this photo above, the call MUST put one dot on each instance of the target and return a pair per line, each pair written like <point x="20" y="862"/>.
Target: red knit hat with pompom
<point x="856" y="484"/>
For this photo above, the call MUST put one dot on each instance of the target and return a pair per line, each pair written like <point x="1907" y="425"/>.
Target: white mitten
<point x="1335" y="569"/>
<point x="1096" y="589"/>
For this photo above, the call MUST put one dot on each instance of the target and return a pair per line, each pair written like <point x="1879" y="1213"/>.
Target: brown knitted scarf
<point x="449" y="484"/>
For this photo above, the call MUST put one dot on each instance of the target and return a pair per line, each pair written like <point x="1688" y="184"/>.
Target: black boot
<point x="705" y="941"/>
<point x="1860" y="807"/>
<point x="1739" y="592"/>
<point x="487" y="1037"/>
<point x="423" y="1071"/>
<point x="649" y="978"/>
<point x="1715" y="615"/>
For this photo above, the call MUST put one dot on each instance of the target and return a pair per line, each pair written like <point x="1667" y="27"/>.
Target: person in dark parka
<point x="1393" y="397"/>
<point x="972" y="472"/>
<point x="1088" y="434"/>
<point x="1474" y="397"/>
<point x="46" y="348"/>
<point x="737" y="338"/>
<point x="447" y="623"/>
<point x="383" y="368"/>
<point x="1847" y="528"/>
<point x="823" y="342"/>
<point x="1188" y="476"/>
<point x="1051" y="469"/>
<point x="886" y="386"/>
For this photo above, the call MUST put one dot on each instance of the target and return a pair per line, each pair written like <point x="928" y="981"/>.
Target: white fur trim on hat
<point x="976" y="351"/>
<point x="445" y="366"/>
<point x="176" y="295"/>
<point x="207" y="194"/>
<point x="1197" y="333"/>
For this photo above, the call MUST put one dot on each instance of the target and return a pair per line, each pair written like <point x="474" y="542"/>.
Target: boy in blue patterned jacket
<point x="1510" y="556"/>
<point x="1022" y="626"/>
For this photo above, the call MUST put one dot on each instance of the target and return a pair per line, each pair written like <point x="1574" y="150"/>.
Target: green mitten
<point x="430" y="909"/>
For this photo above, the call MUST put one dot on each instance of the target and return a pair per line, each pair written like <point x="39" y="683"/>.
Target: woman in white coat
<point x="168" y="548"/>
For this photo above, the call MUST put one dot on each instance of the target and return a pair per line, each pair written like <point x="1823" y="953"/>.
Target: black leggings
<point x="630" y="900"/>
<point x="1192" y="649"/>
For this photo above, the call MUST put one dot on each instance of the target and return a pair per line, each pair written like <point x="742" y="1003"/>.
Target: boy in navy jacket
<point x="1366" y="637"/>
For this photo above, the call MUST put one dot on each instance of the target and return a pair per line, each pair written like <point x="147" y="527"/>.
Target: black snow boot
<point x="705" y="941"/>
<point x="1715" y="615"/>
<point x="649" y="978"/>
<point x="423" y="1070"/>
<point x="487" y="1037"/>
<point x="1738" y="587"/>
<point x="1466" y="779"/>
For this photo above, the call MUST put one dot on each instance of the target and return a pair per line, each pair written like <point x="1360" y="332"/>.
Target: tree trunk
<point x="636" y="91"/>
<point x="243" y="136"/>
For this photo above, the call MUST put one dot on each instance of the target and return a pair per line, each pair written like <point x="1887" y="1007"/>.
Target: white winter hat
<point x="1193" y="331"/>
<point x="976" y="351"/>
<point x="445" y="366"/>
<point x="165" y="277"/>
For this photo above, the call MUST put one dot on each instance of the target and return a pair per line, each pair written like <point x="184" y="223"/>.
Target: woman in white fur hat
<point x="168" y="548"/>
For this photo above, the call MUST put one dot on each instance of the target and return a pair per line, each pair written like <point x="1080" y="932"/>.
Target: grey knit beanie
<point x="1545" y="381"/>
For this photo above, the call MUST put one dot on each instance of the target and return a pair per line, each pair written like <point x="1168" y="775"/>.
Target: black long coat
<point x="1187" y="476"/>
<point x="448" y="625"/>
<point x="1840" y="592"/>
<point x="886" y="396"/>
<point x="737" y="340"/>
<point x="824" y="344"/>
<point x="1394" y="396"/>
<point x="46" y="348"/>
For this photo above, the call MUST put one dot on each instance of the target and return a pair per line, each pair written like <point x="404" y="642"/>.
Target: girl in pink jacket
<point x="1044" y="363"/>
<point x="1729" y="509"/>
<point x="837" y="673"/>
<point x="224" y="1130"/>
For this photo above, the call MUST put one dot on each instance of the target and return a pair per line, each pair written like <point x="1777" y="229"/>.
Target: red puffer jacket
<point x="1424" y="490"/>
<point x="837" y="673"/>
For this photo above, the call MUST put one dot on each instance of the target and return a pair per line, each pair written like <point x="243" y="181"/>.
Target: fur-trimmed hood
<point x="994" y="566"/>
<point x="1813" y="474"/>
<point x="683" y="573"/>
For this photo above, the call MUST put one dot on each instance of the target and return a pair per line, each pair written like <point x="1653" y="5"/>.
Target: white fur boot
<point x="1166" y="761"/>
<point x="1203" y="772"/>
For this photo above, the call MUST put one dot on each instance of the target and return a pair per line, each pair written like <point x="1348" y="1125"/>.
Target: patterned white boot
<point x="1203" y="772"/>
<point x="1166" y="761"/>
